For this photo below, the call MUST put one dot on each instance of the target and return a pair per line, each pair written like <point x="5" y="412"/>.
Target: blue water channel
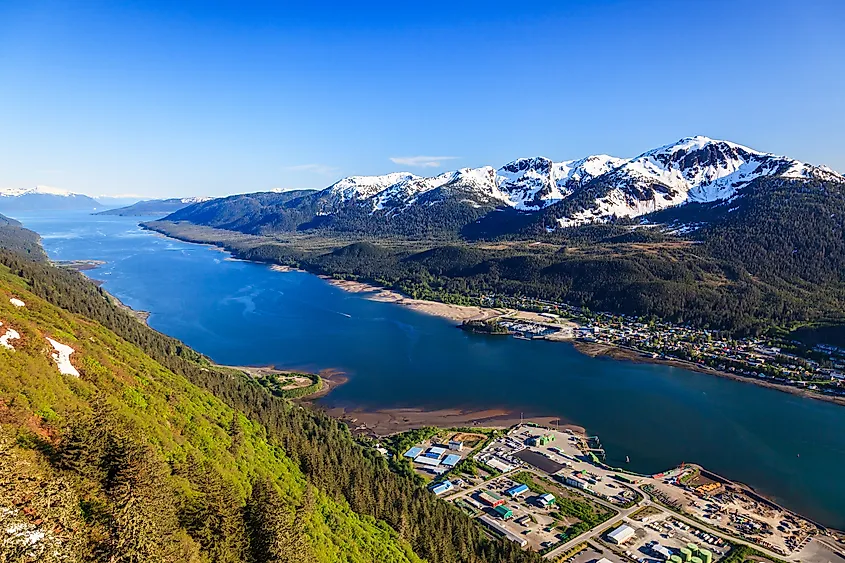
<point x="787" y="447"/>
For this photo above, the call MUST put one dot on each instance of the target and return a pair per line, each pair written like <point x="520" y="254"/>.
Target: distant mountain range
<point x="44" y="198"/>
<point x="701" y="231"/>
<point x="155" y="207"/>
<point x="533" y="192"/>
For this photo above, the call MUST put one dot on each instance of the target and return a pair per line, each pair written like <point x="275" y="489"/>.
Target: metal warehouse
<point x="518" y="490"/>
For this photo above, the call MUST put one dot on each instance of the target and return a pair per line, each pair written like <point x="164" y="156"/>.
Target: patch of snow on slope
<point x="199" y="199"/>
<point x="62" y="358"/>
<point x="17" y="302"/>
<point x="11" y="334"/>
<point x="28" y="541"/>
<point x="617" y="203"/>
<point x="529" y="184"/>
<point x="364" y="187"/>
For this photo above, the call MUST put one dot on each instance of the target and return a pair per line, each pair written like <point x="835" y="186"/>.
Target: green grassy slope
<point x="132" y="462"/>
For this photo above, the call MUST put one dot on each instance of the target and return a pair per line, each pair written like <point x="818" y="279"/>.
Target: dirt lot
<point x="469" y="440"/>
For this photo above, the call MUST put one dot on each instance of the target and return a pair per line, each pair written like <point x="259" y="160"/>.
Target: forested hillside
<point x="14" y="237"/>
<point x="154" y="454"/>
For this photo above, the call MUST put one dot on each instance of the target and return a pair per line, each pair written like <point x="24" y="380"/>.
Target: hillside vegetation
<point x="154" y="454"/>
<point x="14" y="237"/>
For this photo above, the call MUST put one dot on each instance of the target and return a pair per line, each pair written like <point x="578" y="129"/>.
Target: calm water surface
<point x="789" y="448"/>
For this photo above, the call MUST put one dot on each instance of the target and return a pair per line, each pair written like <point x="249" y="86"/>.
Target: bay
<point x="789" y="448"/>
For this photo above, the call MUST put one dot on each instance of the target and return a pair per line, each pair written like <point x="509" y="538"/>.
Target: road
<point x="576" y="462"/>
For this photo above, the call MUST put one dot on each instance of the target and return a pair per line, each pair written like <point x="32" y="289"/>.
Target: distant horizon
<point x="157" y="100"/>
<point x="430" y="172"/>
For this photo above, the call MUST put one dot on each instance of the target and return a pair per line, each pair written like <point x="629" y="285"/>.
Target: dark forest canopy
<point x="14" y="237"/>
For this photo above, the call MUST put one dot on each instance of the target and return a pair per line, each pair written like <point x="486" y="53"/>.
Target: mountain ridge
<point x="149" y="207"/>
<point x="40" y="198"/>
<point x="571" y="193"/>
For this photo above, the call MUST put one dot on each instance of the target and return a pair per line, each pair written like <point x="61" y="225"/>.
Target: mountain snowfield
<point x="695" y="169"/>
<point x="41" y="190"/>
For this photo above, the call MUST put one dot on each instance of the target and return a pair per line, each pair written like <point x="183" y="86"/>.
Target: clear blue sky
<point x="191" y="98"/>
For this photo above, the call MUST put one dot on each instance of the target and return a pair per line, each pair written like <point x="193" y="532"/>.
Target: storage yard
<point x="545" y="490"/>
<point x="661" y="537"/>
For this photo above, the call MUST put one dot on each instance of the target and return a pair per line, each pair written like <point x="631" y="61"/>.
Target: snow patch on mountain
<point x="9" y="334"/>
<point x="61" y="356"/>
<point x="535" y="183"/>
<point x="198" y="199"/>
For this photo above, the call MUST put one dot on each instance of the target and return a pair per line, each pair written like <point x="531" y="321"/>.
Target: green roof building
<point x="504" y="512"/>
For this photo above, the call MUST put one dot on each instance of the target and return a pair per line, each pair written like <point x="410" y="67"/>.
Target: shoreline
<point x="618" y="353"/>
<point x="460" y="313"/>
<point x="384" y="422"/>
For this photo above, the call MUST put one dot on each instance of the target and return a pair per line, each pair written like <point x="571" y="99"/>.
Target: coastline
<point x="460" y="313"/>
<point x="596" y="349"/>
<point x="383" y="422"/>
<point x="86" y="265"/>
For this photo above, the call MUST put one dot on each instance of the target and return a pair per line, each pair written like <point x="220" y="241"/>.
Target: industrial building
<point x="437" y="451"/>
<point x="545" y="500"/>
<point x="490" y="498"/>
<point x="621" y="534"/>
<point x="573" y="481"/>
<point x="428" y="461"/>
<point x="504" y="512"/>
<point x="496" y="526"/>
<point x="661" y="551"/>
<point x="456" y="445"/>
<point x="502" y="466"/>
<point x="413" y="452"/>
<point x="441" y="488"/>
<point x="516" y="491"/>
<point x="541" y="440"/>
<point x="451" y="460"/>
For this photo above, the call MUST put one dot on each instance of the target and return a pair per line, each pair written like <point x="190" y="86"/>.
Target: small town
<point x="819" y="369"/>
<point x="547" y="490"/>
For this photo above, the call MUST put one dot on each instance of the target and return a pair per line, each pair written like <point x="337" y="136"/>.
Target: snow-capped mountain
<point x="42" y="198"/>
<point x="42" y="190"/>
<point x="532" y="191"/>
<point x="695" y="169"/>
